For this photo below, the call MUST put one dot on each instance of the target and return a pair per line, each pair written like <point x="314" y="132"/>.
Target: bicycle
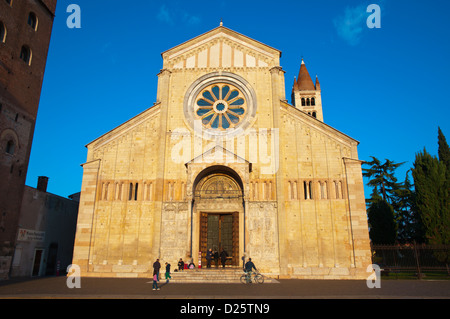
<point x="250" y="277"/>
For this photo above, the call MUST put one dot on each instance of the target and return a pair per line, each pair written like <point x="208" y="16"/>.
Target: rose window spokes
<point x="220" y="106"/>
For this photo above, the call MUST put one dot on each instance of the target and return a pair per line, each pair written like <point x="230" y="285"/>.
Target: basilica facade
<point x="223" y="161"/>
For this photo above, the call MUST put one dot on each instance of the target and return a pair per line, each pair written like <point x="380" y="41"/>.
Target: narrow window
<point x="136" y="191"/>
<point x="2" y="33"/>
<point x="10" y="147"/>
<point x="130" y="194"/>
<point x="32" y="21"/>
<point x="290" y="190"/>
<point x="313" y="101"/>
<point x="303" y="101"/>
<point x="314" y="114"/>
<point x="106" y="191"/>
<point x="305" y="190"/>
<point x="308" y="103"/>
<point x="310" y="190"/>
<point x="25" y="54"/>
<point x="336" y="188"/>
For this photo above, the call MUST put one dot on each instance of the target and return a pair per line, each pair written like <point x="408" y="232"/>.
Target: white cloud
<point x="351" y="24"/>
<point x="170" y="16"/>
<point x="164" y="15"/>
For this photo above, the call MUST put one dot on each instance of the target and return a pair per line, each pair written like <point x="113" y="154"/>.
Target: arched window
<point x="313" y="101"/>
<point x="33" y="21"/>
<point x="308" y="103"/>
<point x="2" y="33"/>
<point x="10" y="147"/>
<point x="303" y="101"/>
<point x="314" y="114"/>
<point x="25" y="54"/>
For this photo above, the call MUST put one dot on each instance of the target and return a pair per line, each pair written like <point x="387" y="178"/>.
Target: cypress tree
<point x="443" y="151"/>
<point x="431" y="197"/>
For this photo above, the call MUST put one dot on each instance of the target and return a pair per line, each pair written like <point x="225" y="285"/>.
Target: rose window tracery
<point x="220" y="106"/>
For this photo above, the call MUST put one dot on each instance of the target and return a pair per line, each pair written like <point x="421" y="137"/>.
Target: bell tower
<point x="306" y="95"/>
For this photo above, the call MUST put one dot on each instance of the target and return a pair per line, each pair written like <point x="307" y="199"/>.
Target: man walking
<point x="156" y="268"/>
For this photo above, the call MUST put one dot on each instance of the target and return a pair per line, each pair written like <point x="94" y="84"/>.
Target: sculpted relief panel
<point x="174" y="231"/>
<point x="263" y="234"/>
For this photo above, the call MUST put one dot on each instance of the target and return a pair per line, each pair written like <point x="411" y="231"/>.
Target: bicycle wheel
<point x="243" y="279"/>
<point x="259" y="279"/>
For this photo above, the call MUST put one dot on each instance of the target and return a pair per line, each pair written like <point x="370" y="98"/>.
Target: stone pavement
<point x="113" y="288"/>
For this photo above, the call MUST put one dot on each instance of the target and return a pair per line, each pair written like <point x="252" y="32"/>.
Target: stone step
<point x="230" y="275"/>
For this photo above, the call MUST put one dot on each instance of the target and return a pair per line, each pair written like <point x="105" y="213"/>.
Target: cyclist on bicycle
<point x="249" y="265"/>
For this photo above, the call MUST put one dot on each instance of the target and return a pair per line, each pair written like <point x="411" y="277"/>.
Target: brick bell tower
<point x="25" y="32"/>
<point x="306" y="95"/>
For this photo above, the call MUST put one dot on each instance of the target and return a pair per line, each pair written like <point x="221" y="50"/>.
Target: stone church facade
<point x="223" y="161"/>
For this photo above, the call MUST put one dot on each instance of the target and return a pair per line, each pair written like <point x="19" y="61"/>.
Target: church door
<point x="220" y="231"/>
<point x="218" y="198"/>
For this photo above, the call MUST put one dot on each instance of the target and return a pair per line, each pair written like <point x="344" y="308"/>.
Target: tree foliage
<point x="382" y="177"/>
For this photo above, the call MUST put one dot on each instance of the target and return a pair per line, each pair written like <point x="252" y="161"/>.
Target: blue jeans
<point x="155" y="284"/>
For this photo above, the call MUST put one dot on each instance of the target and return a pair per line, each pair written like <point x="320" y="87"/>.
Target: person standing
<point x="209" y="255"/>
<point x="155" y="281"/>
<point x="223" y="257"/>
<point x="156" y="268"/>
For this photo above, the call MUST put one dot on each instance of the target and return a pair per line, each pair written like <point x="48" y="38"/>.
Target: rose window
<point x="220" y="106"/>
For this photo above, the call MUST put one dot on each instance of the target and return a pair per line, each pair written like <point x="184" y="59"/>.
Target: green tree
<point x="432" y="197"/>
<point x="410" y="227"/>
<point x="443" y="151"/>
<point x="382" y="227"/>
<point x="381" y="177"/>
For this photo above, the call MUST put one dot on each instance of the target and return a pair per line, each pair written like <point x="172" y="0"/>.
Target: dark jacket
<point x="156" y="266"/>
<point x="223" y="255"/>
<point x="209" y="254"/>
<point x="249" y="266"/>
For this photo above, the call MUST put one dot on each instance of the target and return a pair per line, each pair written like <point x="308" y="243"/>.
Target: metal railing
<point x="416" y="258"/>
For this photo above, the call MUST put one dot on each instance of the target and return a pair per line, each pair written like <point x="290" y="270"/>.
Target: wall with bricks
<point x="20" y="89"/>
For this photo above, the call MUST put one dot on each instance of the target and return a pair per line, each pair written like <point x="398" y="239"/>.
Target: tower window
<point x="308" y="103"/>
<point x="25" y="54"/>
<point x="303" y="101"/>
<point x="313" y="101"/>
<point x="10" y="146"/>
<point x="2" y="33"/>
<point x="32" y="21"/>
<point x="314" y="114"/>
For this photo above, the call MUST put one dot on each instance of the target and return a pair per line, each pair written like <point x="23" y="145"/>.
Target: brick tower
<point x="25" y="31"/>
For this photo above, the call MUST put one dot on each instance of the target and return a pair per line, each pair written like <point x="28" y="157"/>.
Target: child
<point x="168" y="272"/>
<point x="155" y="281"/>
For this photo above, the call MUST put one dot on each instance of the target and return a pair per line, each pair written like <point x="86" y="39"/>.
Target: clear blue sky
<point x="387" y="88"/>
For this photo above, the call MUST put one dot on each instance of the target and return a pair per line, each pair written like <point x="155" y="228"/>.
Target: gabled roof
<point x="217" y="31"/>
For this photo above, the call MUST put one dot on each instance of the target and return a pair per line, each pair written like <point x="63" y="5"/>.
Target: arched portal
<point x="219" y="208"/>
